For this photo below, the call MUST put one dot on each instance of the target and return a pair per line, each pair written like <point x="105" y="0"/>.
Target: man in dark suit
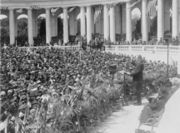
<point x="137" y="75"/>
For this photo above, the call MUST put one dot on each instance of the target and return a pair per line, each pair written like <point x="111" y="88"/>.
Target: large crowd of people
<point x="96" y="39"/>
<point x="50" y="67"/>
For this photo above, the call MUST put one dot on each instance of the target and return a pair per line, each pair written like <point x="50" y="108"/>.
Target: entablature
<point x="35" y="4"/>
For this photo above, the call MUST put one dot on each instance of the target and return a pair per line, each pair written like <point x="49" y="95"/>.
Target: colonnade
<point x="109" y="22"/>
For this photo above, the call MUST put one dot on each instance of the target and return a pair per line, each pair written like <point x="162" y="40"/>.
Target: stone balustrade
<point x="75" y="47"/>
<point x="143" y="48"/>
<point x="168" y="54"/>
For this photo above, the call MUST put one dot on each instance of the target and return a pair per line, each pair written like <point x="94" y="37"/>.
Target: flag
<point x="78" y="16"/>
<point x="135" y="3"/>
<point x="97" y="13"/>
<point x="19" y="10"/>
<point x="54" y="10"/>
<point x="152" y="8"/>
<point x="170" y="12"/>
<point x="71" y="9"/>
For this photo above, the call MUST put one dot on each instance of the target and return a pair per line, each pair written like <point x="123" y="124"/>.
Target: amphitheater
<point x="38" y="36"/>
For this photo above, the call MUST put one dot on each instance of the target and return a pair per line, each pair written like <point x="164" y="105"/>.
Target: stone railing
<point x="143" y="48"/>
<point x="73" y="47"/>
<point x="168" y="54"/>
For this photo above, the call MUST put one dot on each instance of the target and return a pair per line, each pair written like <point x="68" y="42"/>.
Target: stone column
<point x="106" y="22"/>
<point x="128" y="22"/>
<point x="92" y="21"/>
<point x="89" y="23"/>
<point x="48" y="26"/>
<point x="160" y="20"/>
<point x="35" y="24"/>
<point x="30" y="27"/>
<point x="175" y="18"/>
<point x="11" y="26"/>
<point x="112" y="24"/>
<point x="53" y="26"/>
<point x="65" y="26"/>
<point x="144" y="26"/>
<point x="83" y="22"/>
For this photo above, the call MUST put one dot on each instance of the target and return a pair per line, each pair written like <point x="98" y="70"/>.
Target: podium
<point x="113" y="69"/>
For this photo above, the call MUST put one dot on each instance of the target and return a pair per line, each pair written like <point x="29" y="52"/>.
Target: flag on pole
<point x="71" y="9"/>
<point x="135" y="3"/>
<point x="78" y="16"/>
<point x="170" y="11"/>
<point x="54" y="10"/>
<point x="97" y="13"/>
<point x="19" y="10"/>
<point x="152" y="8"/>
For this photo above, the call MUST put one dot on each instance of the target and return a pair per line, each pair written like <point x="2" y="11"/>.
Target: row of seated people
<point x="51" y="66"/>
<point x="59" y="66"/>
<point x="73" y="40"/>
<point x="56" y="66"/>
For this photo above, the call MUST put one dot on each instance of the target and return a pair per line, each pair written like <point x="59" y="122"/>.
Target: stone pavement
<point x="122" y="121"/>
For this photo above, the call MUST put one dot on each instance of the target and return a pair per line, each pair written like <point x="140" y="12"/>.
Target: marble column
<point x="128" y="22"/>
<point x="83" y="22"/>
<point x="48" y="26"/>
<point x="54" y="26"/>
<point x="11" y="26"/>
<point x="65" y="26"/>
<point x="106" y="22"/>
<point x="144" y="26"/>
<point x="175" y="18"/>
<point x="112" y="24"/>
<point x="160" y="20"/>
<point x="30" y="27"/>
<point x="35" y="24"/>
<point x="89" y="23"/>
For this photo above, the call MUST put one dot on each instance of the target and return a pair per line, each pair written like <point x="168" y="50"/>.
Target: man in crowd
<point x="138" y="78"/>
<point x="137" y="75"/>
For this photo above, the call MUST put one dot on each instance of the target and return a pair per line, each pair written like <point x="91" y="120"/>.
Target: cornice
<point x="49" y="4"/>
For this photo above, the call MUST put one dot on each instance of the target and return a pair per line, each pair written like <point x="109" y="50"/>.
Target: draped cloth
<point x="97" y="13"/>
<point x="152" y="8"/>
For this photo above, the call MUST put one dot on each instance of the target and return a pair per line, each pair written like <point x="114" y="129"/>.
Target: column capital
<point x="112" y="5"/>
<point x="11" y="8"/>
<point x="34" y="7"/>
<point x="65" y="7"/>
<point x="29" y="8"/>
<point x="47" y="8"/>
<point x="4" y="8"/>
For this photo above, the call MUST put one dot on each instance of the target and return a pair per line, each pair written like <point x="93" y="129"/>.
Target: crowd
<point x="42" y="69"/>
<point x="96" y="40"/>
<point x="60" y="67"/>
